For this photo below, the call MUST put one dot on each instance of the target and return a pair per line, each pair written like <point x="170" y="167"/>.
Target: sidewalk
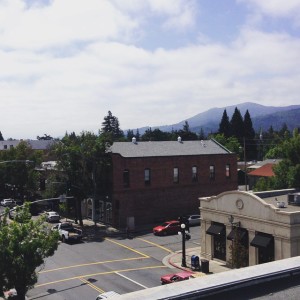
<point x="174" y="260"/>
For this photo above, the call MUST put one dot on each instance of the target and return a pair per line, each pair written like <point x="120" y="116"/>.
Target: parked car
<point x="8" y="203"/>
<point x="68" y="232"/>
<point x="194" y="220"/>
<point x="169" y="227"/>
<point x="175" y="277"/>
<point x="107" y="295"/>
<point x="52" y="216"/>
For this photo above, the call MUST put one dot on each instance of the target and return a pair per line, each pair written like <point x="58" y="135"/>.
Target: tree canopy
<point x="24" y="245"/>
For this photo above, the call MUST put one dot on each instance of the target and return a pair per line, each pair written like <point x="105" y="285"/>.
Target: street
<point x="104" y="263"/>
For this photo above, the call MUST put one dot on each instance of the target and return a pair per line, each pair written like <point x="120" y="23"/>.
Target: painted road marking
<point x="92" y="285"/>
<point x="91" y="264"/>
<point x="131" y="280"/>
<point x="157" y="245"/>
<point x="98" y="274"/>
<point x="129" y="248"/>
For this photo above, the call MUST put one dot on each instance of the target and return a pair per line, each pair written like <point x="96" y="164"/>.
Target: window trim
<point x="175" y="175"/>
<point x="147" y="177"/>
<point x="227" y="171"/>
<point x="212" y="172"/>
<point x="194" y="174"/>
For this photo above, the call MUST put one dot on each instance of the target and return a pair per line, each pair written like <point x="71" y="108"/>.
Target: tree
<point x="84" y="162"/>
<point x="18" y="177"/>
<point x="237" y="125"/>
<point x="238" y="251"/>
<point x="46" y="137"/>
<point x="249" y="135"/>
<point x="24" y="245"/>
<point x="111" y="125"/>
<point x="224" y="126"/>
<point x="1" y="136"/>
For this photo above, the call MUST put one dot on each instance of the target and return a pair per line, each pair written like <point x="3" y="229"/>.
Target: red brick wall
<point x="163" y="199"/>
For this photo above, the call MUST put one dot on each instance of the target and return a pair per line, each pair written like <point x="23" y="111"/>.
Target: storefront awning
<point x="261" y="241"/>
<point x="215" y="229"/>
<point x="240" y="232"/>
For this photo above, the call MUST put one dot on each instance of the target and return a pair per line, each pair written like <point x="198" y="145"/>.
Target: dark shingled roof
<point x="167" y="148"/>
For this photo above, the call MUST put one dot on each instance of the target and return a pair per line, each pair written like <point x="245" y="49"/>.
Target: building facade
<point x="156" y="181"/>
<point x="267" y="223"/>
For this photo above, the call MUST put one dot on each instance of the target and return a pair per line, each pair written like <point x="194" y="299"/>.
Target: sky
<point x="65" y="63"/>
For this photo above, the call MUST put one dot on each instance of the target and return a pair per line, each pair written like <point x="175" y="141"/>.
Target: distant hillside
<point x="262" y="117"/>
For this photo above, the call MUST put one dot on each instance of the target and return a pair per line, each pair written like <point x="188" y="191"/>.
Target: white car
<point x="52" y="216"/>
<point x="194" y="220"/>
<point x="8" y="202"/>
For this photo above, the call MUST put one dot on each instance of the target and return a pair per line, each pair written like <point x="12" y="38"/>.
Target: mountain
<point x="262" y="117"/>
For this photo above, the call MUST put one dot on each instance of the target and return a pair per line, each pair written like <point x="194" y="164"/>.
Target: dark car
<point x="169" y="227"/>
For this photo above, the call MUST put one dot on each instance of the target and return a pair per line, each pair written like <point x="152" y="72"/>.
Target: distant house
<point x="34" y="144"/>
<point x="157" y="181"/>
<point x="262" y="170"/>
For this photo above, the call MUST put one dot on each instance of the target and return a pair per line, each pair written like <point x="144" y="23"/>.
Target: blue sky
<point x="66" y="63"/>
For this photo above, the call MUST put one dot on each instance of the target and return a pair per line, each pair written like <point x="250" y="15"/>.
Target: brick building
<point x="156" y="181"/>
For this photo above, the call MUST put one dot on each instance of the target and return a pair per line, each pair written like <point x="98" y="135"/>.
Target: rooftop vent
<point x="134" y="140"/>
<point x="179" y="139"/>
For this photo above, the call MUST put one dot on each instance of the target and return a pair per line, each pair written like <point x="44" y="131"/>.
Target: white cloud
<point x="276" y="8"/>
<point x="64" y="65"/>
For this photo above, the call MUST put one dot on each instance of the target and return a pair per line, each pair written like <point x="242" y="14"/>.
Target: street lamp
<point x="183" y="261"/>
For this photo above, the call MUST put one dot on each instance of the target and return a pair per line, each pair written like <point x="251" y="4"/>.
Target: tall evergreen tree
<point x="224" y="126"/>
<point x="111" y="125"/>
<point x="237" y="125"/>
<point x="249" y="135"/>
<point x="1" y="136"/>
<point x="137" y="135"/>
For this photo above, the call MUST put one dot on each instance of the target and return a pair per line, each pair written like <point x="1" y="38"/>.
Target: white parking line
<point x="131" y="280"/>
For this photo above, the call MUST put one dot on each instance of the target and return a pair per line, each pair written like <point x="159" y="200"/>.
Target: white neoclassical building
<point x="268" y="224"/>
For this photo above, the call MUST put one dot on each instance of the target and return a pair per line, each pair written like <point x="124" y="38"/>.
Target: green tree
<point x="249" y="135"/>
<point x="238" y="251"/>
<point x="231" y="143"/>
<point x="111" y="125"/>
<point x="17" y="172"/>
<point x="86" y="166"/>
<point x="224" y="126"/>
<point x="24" y="245"/>
<point x="237" y="125"/>
<point x="1" y="136"/>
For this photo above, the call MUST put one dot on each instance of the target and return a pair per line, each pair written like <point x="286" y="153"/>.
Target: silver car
<point x="52" y="216"/>
<point x="8" y="202"/>
<point x="194" y="220"/>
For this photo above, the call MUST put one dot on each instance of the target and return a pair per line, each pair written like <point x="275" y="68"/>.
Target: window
<point x="212" y="172"/>
<point x="227" y="171"/>
<point x="147" y="175"/>
<point x="5" y="146"/>
<point x="194" y="173"/>
<point x="175" y="175"/>
<point x="126" y="178"/>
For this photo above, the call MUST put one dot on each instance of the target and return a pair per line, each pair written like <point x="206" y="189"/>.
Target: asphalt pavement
<point x="173" y="260"/>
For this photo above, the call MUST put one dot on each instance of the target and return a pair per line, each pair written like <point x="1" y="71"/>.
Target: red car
<point x="169" y="227"/>
<point x="170" y="278"/>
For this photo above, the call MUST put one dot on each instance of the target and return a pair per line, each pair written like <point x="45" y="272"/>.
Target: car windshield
<point x="165" y="224"/>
